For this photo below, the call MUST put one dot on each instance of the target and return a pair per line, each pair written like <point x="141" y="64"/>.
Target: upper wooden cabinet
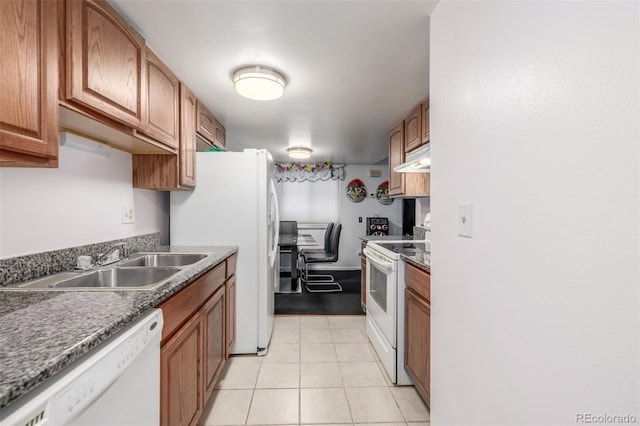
<point x="396" y="156"/>
<point x="424" y="107"/>
<point x="187" y="153"/>
<point x="163" y="102"/>
<point x="407" y="133"/>
<point x="172" y="172"/>
<point x="209" y="128"/>
<point x="413" y="129"/>
<point x="29" y="89"/>
<point x="205" y="123"/>
<point x="105" y="63"/>
<point x="221" y="136"/>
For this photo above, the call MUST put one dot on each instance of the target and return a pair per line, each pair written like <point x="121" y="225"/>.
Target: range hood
<point x="417" y="161"/>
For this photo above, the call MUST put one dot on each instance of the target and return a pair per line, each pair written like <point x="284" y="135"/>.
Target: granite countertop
<point x="45" y="331"/>
<point x="421" y="259"/>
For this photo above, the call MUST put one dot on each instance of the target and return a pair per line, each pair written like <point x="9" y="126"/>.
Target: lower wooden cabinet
<point x="230" y="332"/>
<point x="418" y="329"/>
<point x="195" y="343"/>
<point x="181" y="389"/>
<point x="214" y="342"/>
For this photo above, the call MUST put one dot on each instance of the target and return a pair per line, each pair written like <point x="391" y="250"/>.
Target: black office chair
<point x="330" y="256"/>
<point x="325" y="249"/>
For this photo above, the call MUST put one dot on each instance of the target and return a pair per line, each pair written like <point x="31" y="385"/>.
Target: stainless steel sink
<point x="163" y="259"/>
<point x="104" y="279"/>
<point x="118" y="278"/>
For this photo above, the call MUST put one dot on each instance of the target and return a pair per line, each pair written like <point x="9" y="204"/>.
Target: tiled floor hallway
<point x="319" y="370"/>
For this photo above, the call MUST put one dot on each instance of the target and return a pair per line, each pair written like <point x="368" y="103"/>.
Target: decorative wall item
<point x="382" y="194"/>
<point x="356" y="191"/>
<point x="299" y="172"/>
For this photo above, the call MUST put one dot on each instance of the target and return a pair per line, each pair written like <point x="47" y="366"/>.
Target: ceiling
<point x="353" y="68"/>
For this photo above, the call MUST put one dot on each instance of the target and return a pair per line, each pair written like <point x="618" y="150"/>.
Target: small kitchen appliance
<point x="377" y="226"/>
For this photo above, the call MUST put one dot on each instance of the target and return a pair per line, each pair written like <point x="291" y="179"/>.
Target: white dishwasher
<point x="117" y="384"/>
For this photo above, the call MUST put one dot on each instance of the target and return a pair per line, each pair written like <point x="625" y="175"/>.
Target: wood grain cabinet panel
<point x="194" y="344"/>
<point x="163" y="102"/>
<point x="181" y="371"/>
<point x="413" y="129"/>
<point x="213" y="314"/>
<point x="205" y="123"/>
<point x="230" y="318"/>
<point x="396" y="156"/>
<point x="172" y="172"/>
<point x="418" y="342"/>
<point x="407" y="135"/>
<point x="105" y="62"/>
<point x="425" y="121"/>
<point x="221" y="136"/>
<point x="29" y="89"/>
<point x="187" y="152"/>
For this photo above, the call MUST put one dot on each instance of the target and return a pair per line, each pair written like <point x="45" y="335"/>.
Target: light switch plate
<point x="465" y="219"/>
<point x="127" y="214"/>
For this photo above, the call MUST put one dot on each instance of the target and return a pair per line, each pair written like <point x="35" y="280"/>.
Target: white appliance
<point x="385" y="302"/>
<point x="235" y="203"/>
<point x="116" y="384"/>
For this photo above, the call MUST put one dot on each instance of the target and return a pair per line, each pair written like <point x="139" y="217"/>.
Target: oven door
<point x="382" y="276"/>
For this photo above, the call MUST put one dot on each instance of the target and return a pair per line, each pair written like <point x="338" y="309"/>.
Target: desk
<point x="289" y="247"/>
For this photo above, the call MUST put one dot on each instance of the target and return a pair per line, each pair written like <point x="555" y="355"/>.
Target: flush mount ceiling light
<point x="299" y="152"/>
<point x="259" y="83"/>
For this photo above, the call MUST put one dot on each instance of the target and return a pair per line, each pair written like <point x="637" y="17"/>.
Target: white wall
<point x="78" y="203"/>
<point x="347" y="212"/>
<point x="350" y="212"/>
<point x="534" y="120"/>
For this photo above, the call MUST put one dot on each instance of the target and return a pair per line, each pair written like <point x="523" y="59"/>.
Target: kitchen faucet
<point x="103" y="259"/>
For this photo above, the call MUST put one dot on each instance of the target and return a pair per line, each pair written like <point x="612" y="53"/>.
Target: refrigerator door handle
<point x="275" y="225"/>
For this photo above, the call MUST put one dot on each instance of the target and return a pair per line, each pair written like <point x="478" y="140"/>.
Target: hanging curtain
<point x="299" y="172"/>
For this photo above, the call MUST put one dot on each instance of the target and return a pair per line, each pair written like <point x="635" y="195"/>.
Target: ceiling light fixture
<point x="259" y="83"/>
<point x="299" y="152"/>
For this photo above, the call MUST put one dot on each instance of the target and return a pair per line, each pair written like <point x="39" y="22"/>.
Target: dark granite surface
<point x="42" y="332"/>
<point x="29" y="267"/>
<point x="421" y="258"/>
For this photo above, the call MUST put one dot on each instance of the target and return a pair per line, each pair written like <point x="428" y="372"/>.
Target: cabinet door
<point x="105" y="62"/>
<point x="163" y="102"/>
<point x="413" y="129"/>
<point x="396" y="156"/>
<point x="181" y="369"/>
<point x="230" y="318"/>
<point x="221" y="135"/>
<point x="363" y="283"/>
<point x="28" y="93"/>
<point x="214" y="343"/>
<point x="187" y="152"/>
<point x="417" y="342"/>
<point x="205" y="125"/>
<point x="425" y="121"/>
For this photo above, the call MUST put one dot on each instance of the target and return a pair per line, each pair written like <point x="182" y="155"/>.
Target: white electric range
<point x="385" y="301"/>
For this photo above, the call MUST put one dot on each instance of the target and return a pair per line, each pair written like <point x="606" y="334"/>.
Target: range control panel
<point x="377" y="226"/>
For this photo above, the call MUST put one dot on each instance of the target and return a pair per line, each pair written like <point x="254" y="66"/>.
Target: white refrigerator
<point x="235" y="203"/>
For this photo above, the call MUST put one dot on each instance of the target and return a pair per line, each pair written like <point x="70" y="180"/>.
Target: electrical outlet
<point x="127" y="214"/>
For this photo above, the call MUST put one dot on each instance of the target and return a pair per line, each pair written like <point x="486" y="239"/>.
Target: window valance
<point x="299" y="172"/>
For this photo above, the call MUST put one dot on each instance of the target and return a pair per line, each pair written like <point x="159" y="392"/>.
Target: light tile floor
<point x="319" y="370"/>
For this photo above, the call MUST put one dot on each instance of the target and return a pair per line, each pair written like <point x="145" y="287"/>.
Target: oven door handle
<point x="385" y="266"/>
